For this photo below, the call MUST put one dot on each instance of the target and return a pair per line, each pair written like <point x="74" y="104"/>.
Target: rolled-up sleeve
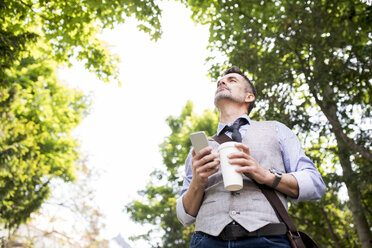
<point x="182" y="216"/>
<point x="310" y="182"/>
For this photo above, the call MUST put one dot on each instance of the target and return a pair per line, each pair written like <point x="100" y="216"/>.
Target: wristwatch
<point x="278" y="176"/>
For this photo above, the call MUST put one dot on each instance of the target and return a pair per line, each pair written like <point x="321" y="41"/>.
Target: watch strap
<point x="278" y="177"/>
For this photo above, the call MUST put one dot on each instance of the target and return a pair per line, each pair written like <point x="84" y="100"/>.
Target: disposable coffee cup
<point x="232" y="180"/>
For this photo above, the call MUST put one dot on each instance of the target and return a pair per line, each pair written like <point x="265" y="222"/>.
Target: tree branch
<point x="337" y="129"/>
<point x="330" y="228"/>
<point x="27" y="5"/>
<point x="330" y="113"/>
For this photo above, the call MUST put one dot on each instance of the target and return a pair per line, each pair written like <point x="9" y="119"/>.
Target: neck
<point x="230" y="111"/>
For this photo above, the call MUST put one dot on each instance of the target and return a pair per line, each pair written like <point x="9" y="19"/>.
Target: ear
<point x="249" y="97"/>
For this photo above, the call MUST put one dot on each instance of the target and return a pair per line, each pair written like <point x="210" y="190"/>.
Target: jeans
<point x="200" y="240"/>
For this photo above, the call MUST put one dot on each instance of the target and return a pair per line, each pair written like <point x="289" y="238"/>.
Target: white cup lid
<point x="227" y="144"/>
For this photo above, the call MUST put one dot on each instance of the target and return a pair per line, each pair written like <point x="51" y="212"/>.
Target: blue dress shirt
<point x="310" y="182"/>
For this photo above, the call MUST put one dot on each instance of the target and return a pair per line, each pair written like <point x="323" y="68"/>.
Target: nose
<point x="221" y="81"/>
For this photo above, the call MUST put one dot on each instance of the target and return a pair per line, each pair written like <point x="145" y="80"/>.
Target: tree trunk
<point x="356" y="204"/>
<point x="329" y="108"/>
<point x="330" y="229"/>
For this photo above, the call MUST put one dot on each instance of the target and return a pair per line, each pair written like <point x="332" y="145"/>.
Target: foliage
<point x="69" y="29"/>
<point x="37" y="117"/>
<point x="311" y="64"/>
<point x="69" y="218"/>
<point x="158" y="204"/>
<point x="37" y="112"/>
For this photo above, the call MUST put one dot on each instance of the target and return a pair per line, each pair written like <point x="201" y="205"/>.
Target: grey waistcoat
<point x="248" y="206"/>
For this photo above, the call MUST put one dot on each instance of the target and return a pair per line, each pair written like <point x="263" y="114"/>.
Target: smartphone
<point x="198" y="140"/>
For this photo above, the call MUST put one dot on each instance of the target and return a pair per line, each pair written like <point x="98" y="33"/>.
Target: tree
<point x="37" y="117"/>
<point x="70" y="217"/>
<point x="37" y="113"/>
<point x="311" y="64"/>
<point x="325" y="219"/>
<point x="158" y="203"/>
<point x="69" y="29"/>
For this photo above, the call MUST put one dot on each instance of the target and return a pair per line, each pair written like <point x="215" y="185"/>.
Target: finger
<point x="203" y="152"/>
<point x="196" y="162"/>
<point x="208" y="158"/>
<point x="205" y="169"/>
<point x="238" y="155"/>
<point x="209" y="172"/>
<point x="199" y="167"/>
<point x="245" y="169"/>
<point x="243" y="147"/>
<point x="239" y="161"/>
<point x="211" y="165"/>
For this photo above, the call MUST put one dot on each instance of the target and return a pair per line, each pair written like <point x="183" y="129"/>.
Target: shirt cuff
<point x="182" y="216"/>
<point x="307" y="189"/>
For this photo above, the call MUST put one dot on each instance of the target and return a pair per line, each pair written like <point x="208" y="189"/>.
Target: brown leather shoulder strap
<point x="221" y="138"/>
<point x="278" y="206"/>
<point x="269" y="193"/>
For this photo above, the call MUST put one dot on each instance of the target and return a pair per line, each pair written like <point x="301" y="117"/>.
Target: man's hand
<point x="248" y="165"/>
<point x="252" y="169"/>
<point x="204" y="164"/>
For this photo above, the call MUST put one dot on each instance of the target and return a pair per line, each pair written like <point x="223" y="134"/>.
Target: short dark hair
<point x="249" y="86"/>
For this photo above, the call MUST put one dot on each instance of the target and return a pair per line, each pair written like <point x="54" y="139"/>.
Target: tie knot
<point x="234" y="128"/>
<point x="236" y="125"/>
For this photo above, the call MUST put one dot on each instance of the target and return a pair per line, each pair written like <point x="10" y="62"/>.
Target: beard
<point x="227" y="95"/>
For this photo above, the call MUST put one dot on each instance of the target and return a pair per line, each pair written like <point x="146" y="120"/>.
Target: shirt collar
<point x="222" y="125"/>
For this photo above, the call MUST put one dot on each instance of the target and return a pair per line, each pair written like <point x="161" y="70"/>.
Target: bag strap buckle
<point x="295" y="234"/>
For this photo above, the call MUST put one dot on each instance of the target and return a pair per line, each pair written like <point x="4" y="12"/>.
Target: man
<point x="270" y="154"/>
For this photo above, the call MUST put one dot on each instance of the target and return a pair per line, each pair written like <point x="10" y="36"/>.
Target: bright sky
<point x="126" y="125"/>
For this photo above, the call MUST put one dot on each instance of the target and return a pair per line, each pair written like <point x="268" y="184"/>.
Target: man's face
<point x="231" y="87"/>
